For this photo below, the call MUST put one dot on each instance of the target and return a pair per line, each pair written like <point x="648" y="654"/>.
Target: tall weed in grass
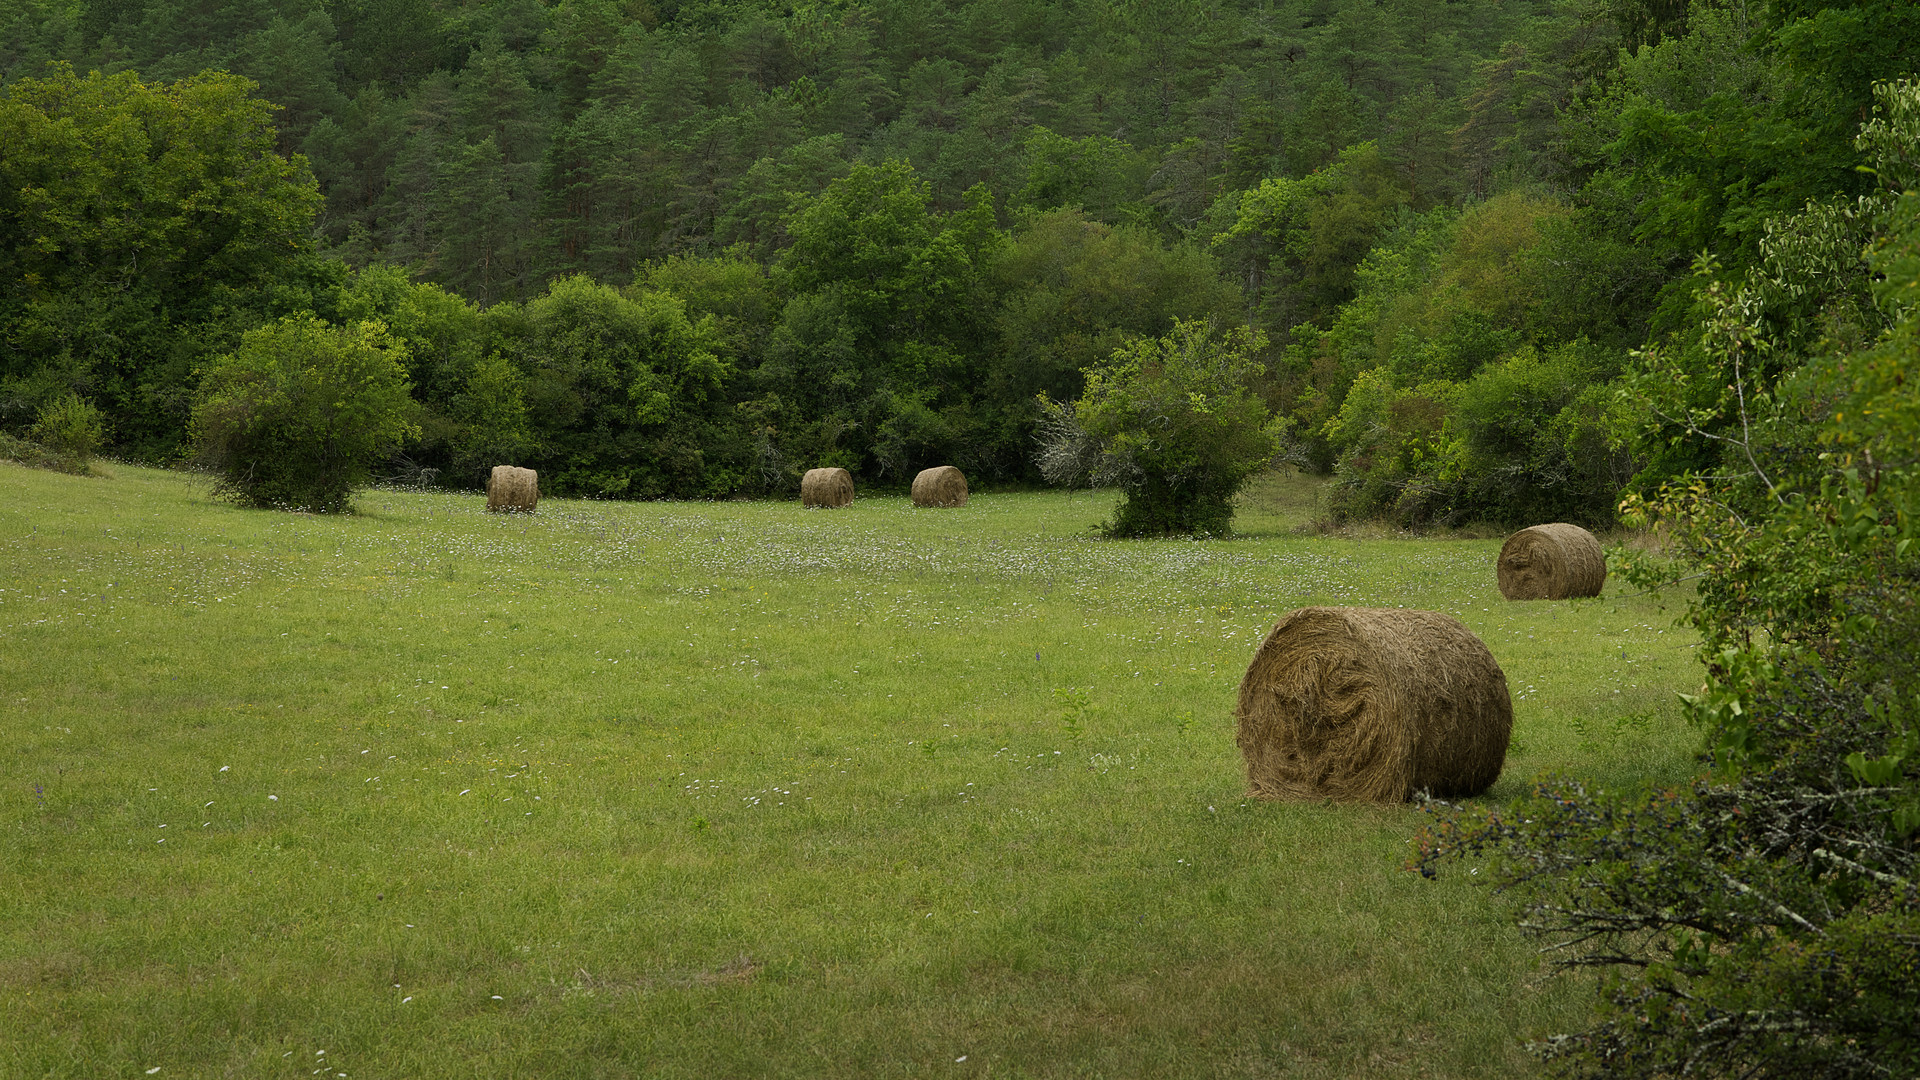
<point x="66" y="433"/>
<point x="70" y="426"/>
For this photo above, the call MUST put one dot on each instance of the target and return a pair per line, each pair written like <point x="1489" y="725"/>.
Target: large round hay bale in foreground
<point x="512" y="490"/>
<point x="826" y="487"/>
<point x="1551" y="562"/>
<point x="942" y="485"/>
<point x="1372" y="705"/>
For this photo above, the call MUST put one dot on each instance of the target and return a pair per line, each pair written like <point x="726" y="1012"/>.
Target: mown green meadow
<point x="736" y="789"/>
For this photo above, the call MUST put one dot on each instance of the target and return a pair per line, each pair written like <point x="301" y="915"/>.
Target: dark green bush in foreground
<point x="1765" y="921"/>
<point x="299" y="414"/>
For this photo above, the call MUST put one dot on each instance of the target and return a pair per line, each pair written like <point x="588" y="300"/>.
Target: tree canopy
<point x="136" y="220"/>
<point x="888" y="225"/>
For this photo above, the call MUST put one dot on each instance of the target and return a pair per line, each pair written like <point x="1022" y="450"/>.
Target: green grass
<point x="735" y="789"/>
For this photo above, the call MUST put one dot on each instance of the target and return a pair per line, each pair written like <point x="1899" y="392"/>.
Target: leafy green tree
<point x="293" y="62"/>
<point x="1699" y="389"/>
<point x="1542" y="438"/>
<point x="1764" y="920"/>
<point x="1738" y="115"/>
<point x="482" y="216"/>
<point x="757" y="206"/>
<point x="138" y="224"/>
<point x="729" y="288"/>
<point x="496" y="146"/>
<point x="301" y="412"/>
<point x="1072" y="291"/>
<point x="1164" y="39"/>
<point x="1398" y="457"/>
<point x="877" y="353"/>
<point x="624" y="132"/>
<point x="1444" y="296"/>
<point x="1447" y="293"/>
<point x="445" y="333"/>
<point x="1097" y="175"/>
<point x="353" y="156"/>
<point x="1455" y="386"/>
<point x="392" y="42"/>
<point x="622" y="392"/>
<point x="1512" y="120"/>
<point x="446" y="338"/>
<point x="1299" y="241"/>
<point x="900" y="272"/>
<point x="1175" y="423"/>
<point x="491" y="417"/>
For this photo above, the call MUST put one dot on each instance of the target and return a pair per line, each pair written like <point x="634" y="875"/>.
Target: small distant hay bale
<point x="1551" y="562"/>
<point x="826" y="487"/>
<point x="512" y="491"/>
<point x="1372" y="705"/>
<point x="942" y="485"/>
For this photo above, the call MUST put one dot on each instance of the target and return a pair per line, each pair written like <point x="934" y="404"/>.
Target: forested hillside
<point x="498" y="145"/>
<point x="691" y="249"/>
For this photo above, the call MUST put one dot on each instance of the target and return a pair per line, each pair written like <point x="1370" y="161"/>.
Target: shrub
<point x="1533" y="437"/>
<point x="1765" y="920"/>
<point x="70" y="426"/>
<point x="296" y="417"/>
<point x="1538" y="438"/>
<point x="35" y="456"/>
<point x="1174" y="423"/>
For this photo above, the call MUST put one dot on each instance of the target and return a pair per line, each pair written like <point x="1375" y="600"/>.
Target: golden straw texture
<point x="511" y="490"/>
<point x="1551" y="562"/>
<point x="826" y="488"/>
<point x="1372" y="705"/>
<point x="942" y="485"/>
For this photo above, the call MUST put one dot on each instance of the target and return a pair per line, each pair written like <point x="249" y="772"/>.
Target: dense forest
<point x="691" y="249"/>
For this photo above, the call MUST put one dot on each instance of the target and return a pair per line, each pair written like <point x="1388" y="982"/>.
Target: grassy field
<point x="735" y="789"/>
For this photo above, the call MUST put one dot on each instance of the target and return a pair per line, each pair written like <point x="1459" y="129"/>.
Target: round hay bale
<point x="511" y="490"/>
<point x="826" y="487"/>
<point x="1551" y="562"/>
<point x="1372" y="705"/>
<point x="942" y="485"/>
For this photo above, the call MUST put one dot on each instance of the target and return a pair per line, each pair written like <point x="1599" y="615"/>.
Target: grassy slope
<point x="732" y="789"/>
